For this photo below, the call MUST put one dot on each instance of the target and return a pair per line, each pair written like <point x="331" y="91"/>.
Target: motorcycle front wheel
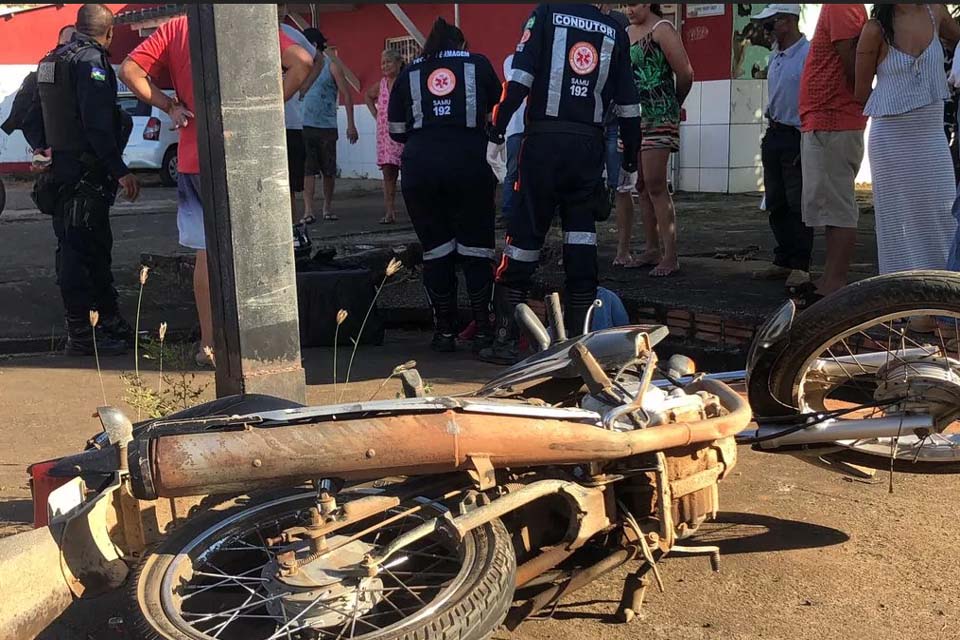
<point x="217" y="576"/>
<point x="888" y="346"/>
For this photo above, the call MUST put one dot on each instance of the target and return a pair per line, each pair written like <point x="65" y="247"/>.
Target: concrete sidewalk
<point x="713" y="299"/>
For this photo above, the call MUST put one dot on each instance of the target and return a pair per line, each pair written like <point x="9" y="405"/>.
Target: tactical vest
<point x="61" y="114"/>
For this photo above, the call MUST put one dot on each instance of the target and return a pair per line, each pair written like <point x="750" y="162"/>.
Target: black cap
<point x="316" y="38"/>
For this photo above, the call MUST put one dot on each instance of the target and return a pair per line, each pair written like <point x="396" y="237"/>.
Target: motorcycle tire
<point x="472" y="612"/>
<point x="853" y="305"/>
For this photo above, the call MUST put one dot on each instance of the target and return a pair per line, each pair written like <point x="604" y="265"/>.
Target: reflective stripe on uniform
<point x="606" y="51"/>
<point x="628" y="110"/>
<point x="416" y="99"/>
<point x="397" y="127"/>
<point x="444" y="249"/>
<point x="580" y="237"/>
<point x="521" y="255"/>
<point x="522" y="77"/>
<point x="558" y="63"/>
<point x="476" y="252"/>
<point x="470" y="91"/>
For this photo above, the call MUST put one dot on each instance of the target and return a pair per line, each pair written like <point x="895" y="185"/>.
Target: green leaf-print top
<point x="654" y="79"/>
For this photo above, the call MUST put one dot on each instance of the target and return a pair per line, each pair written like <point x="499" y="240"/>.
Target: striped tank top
<point x="906" y="82"/>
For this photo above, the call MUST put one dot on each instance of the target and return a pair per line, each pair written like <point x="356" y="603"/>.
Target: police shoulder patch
<point x="46" y="72"/>
<point x="98" y="74"/>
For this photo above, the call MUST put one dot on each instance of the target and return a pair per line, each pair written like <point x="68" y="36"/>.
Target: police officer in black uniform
<point x="572" y="64"/>
<point x="75" y="119"/>
<point x="439" y="108"/>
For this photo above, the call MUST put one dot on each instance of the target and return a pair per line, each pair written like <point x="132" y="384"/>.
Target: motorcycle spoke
<point x="223" y="625"/>
<point x="209" y="616"/>
<point x="229" y="580"/>
<point x="404" y="585"/>
<point x="285" y="629"/>
<point x="852" y="355"/>
<point x="239" y="600"/>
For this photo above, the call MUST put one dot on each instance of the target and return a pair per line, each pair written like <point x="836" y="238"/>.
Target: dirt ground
<point x="806" y="553"/>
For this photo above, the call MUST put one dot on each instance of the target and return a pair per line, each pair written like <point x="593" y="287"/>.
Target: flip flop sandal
<point x="310" y="219"/>
<point x="330" y="216"/>
<point x="388" y="220"/>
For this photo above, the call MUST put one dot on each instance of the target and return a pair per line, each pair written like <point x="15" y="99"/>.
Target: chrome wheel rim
<point x="859" y="366"/>
<point x="216" y="588"/>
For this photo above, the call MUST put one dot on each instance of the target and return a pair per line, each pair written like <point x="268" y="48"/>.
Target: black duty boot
<point x="505" y="347"/>
<point x="484" y="336"/>
<point x="115" y="326"/>
<point x="445" y="332"/>
<point x="482" y="339"/>
<point x="444" y="342"/>
<point x="80" y="339"/>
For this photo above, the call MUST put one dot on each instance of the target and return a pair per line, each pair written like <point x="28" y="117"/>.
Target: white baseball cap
<point x="774" y="9"/>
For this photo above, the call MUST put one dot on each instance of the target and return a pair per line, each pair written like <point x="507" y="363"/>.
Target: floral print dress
<point x="388" y="151"/>
<point x="659" y="107"/>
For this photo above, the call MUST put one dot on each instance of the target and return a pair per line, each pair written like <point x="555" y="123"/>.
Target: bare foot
<point x="665" y="268"/>
<point x="649" y="258"/>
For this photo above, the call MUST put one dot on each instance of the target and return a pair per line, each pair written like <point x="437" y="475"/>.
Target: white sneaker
<point x="771" y="272"/>
<point x="797" y="278"/>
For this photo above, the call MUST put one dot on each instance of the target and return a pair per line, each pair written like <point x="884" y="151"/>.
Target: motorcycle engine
<point x="688" y="495"/>
<point x="661" y="406"/>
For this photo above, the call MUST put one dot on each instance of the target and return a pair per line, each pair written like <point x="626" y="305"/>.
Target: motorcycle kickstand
<point x="634" y="592"/>
<point x="703" y="550"/>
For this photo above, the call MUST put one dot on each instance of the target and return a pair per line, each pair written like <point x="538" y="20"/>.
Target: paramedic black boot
<point x="80" y="336"/>
<point x="506" y="344"/>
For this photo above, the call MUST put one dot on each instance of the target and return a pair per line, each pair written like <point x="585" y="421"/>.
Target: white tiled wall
<point x="745" y="145"/>
<point x="746" y="101"/>
<point x="720" y="138"/>
<point x="715" y="102"/>
<point x="714" y="146"/>
<point x="705" y="137"/>
<point x="358" y="160"/>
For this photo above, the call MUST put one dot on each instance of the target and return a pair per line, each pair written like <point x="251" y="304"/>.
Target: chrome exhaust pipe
<point x="834" y="430"/>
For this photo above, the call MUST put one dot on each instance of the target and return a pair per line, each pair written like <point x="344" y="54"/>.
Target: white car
<point x="152" y="145"/>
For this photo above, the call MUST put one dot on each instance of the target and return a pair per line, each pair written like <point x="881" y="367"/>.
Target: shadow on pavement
<point x="738" y="533"/>
<point x="15" y="511"/>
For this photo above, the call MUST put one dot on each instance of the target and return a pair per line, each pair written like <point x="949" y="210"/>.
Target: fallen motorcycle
<point x="429" y="517"/>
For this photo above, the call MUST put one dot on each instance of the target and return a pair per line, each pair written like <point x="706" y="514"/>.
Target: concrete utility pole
<point x="246" y="198"/>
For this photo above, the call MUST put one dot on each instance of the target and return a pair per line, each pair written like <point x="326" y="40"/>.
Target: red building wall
<point x="27" y="36"/>
<point x="360" y="35"/>
<point x="709" y="44"/>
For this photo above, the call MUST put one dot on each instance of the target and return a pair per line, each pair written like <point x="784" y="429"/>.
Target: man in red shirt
<point x="832" y="124"/>
<point x="168" y="50"/>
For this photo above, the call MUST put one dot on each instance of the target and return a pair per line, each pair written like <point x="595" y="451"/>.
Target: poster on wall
<point x="705" y="10"/>
<point x="751" y="44"/>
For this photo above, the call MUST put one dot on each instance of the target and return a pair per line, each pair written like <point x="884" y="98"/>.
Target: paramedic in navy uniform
<point x="572" y="65"/>
<point x="439" y="108"/>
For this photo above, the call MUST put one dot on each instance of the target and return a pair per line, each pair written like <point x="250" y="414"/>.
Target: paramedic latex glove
<point x="497" y="159"/>
<point x="953" y="79"/>
<point x="627" y="181"/>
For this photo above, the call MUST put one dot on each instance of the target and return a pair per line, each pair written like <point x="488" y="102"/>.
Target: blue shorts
<point x="190" y="211"/>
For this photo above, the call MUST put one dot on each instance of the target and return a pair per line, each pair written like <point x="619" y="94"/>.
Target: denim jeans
<point x="612" y="158"/>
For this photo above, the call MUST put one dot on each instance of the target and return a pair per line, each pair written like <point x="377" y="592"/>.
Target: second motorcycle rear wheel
<point x="215" y="577"/>
<point x="877" y="307"/>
